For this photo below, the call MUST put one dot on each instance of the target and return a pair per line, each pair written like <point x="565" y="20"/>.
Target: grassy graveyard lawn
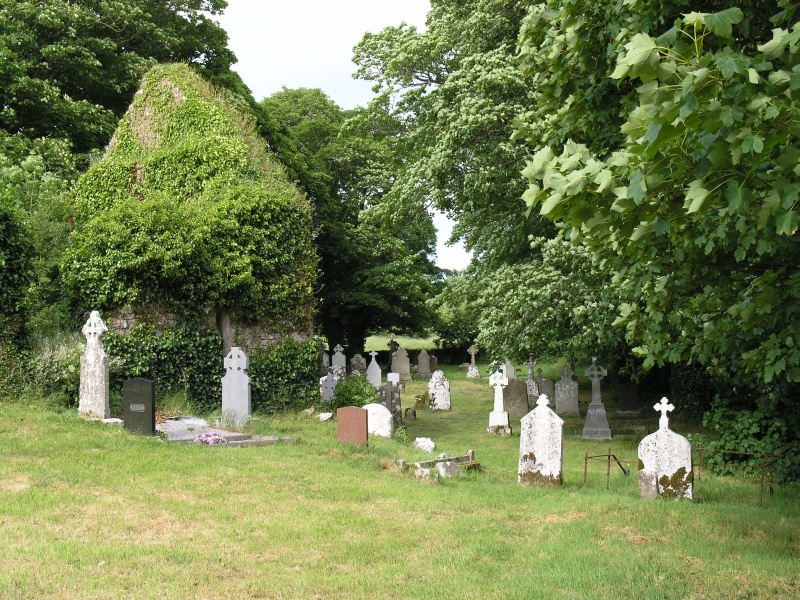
<point x="90" y="511"/>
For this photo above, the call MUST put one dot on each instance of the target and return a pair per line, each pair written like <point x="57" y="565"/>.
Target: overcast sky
<point x="309" y="43"/>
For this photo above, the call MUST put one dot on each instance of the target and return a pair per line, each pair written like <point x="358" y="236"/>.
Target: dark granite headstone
<point x="411" y="414"/>
<point x="351" y="425"/>
<point x="139" y="405"/>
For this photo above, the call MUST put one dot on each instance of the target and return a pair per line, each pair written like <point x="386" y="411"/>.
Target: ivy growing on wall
<point x="188" y="209"/>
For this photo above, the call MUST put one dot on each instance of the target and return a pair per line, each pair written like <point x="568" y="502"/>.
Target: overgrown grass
<point x="89" y="511"/>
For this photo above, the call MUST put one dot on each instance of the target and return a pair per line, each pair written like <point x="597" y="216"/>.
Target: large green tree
<point x="374" y="274"/>
<point x="70" y="67"/>
<point x="455" y="89"/>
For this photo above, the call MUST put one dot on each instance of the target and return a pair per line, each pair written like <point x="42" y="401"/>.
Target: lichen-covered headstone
<point x="423" y="365"/>
<point x="531" y="383"/>
<point x="434" y="364"/>
<point x="236" y="388"/>
<point x="439" y="391"/>
<point x="567" y="393"/>
<point x="472" y="370"/>
<point x="358" y="363"/>
<point x="374" y="371"/>
<point x="379" y="420"/>
<point x="401" y="365"/>
<point x="389" y="394"/>
<point x="596" y="426"/>
<point x="665" y="461"/>
<point x="339" y="359"/>
<point x="498" y="418"/>
<point x="541" y="444"/>
<point x="93" y="394"/>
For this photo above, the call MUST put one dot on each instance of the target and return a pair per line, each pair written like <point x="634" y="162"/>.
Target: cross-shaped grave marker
<point x="472" y="352"/>
<point x="664" y="407"/>
<point x="328" y="387"/>
<point x="595" y="373"/>
<point x="498" y="381"/>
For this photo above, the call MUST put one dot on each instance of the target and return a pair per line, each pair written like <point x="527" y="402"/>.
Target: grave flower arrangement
<point x="210" y="438"/>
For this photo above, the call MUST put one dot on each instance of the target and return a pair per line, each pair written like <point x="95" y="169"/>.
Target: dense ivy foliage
<point x="189" y="210"/>
<point x="15" y="271"/>
<point x="284" y="376"/>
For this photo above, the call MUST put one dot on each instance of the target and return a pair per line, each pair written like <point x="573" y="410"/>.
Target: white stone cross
<point x="543" y="400"/>
<point x="498" y="381"/>
<point x="328" y="387"/>
<point x="664" y="407"/>
<point x="373" y="354"/>
<point x="473" y="351"/>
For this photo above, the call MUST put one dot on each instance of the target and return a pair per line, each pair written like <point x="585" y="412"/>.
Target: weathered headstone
<point x="389" y="396"/>
<point x="628" y="399"/>
<point x="665" y="461"/>
<point x="546" y="386"/>
<point x="339" y="372"/>
<point x="423" y="365"/>
<point x="374" y="371"/>
<point x="567" y="393"/>
<point x="93" y="394"/>
<point x="434" y="364"/>
<point x="139" y="405"/>
<point x="401" y="365"/>
<point x="541" y="442"/>
<point x="236" y="388"/>
<point x="352" y="425"/>
<point x="498" y="418"/>
<point x="510" y="372"/>
<point x="596" y="426"/>
<point x="358" y="363"/>
<point x="439" y="391"/>
<point x="325" y="363"/>
<point x="472" y="371"/>
<point x="515" y="398"/>
<point x="379" y="421"/>
<point x="328" y="387"/>
<point x="424" y="444"/>
<point x="531" y="383"/>
<point x="339" y="359"/>
<point x="410" y="414"/>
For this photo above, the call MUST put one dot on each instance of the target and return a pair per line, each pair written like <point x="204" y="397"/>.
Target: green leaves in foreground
<point x="697" y="210"/>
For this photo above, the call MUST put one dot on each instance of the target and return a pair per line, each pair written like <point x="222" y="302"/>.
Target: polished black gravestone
<point x="139" y="405"/>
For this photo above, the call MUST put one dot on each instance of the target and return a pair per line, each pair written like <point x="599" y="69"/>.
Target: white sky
<point x="309" y="43"/>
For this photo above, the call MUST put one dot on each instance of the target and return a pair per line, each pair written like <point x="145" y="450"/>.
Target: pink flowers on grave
<point x="210" y="438"/>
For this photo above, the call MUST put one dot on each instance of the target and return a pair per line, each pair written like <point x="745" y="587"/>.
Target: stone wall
<point x="122" y="320"/>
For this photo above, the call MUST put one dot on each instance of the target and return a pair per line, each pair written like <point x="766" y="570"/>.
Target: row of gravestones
<point x="665" y="456"/>
<point x="139" y="394"/>
<point x="337" y="364"/>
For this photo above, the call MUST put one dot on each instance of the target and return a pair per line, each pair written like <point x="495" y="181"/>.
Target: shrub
<point x="352" y="391"/>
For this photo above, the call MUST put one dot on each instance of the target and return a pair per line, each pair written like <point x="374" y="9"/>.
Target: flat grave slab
<point x="186" y="429"/>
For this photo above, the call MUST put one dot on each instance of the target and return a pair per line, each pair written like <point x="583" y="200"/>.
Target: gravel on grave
<point x="186" y="429"/>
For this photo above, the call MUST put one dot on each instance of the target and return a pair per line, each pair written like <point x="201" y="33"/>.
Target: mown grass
<point x="89" y="511"/>
<point x="381" y="342"/>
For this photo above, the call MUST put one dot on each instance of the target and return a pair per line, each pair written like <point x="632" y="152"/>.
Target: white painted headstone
<point x="424" y="444"/>
<point x="374" y="371"/>
<point x="339" y="359"/>
<point x="666" y="459"/>
<point x="328" y="387"/>
<point x="93" y="395"/>
<point x="439" y="391"/>
<point x="498" y="418"/>
<point x="379" y="420"/>
<point x="236" y="388"/>
<point x="541" y="443"/>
